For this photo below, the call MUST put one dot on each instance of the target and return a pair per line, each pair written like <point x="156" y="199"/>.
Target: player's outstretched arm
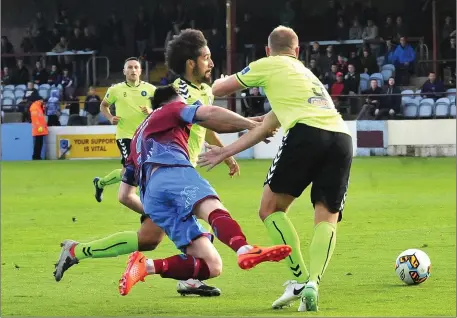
<point x="221" y="120"/>
<point x="226" y="86"/>
<point x="217" y="154"/>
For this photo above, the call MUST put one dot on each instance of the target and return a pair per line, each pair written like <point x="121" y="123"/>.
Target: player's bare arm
<point x="222" y="120"/>
<point x="128" y="197"/>
<point x="226" y="86"/>
<point x="217" y="154"/>
<point x="104" y="109"/>
<point x="213" y="139"/>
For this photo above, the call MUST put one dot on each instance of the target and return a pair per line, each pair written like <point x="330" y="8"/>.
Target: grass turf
<point x="393" y="204"/>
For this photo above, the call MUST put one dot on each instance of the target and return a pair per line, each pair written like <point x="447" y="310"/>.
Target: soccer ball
<point x="413" y="266"/>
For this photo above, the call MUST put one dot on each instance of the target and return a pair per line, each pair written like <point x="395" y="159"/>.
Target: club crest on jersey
<point x="245" y="70"/>
<point x="143" y="93"/>
<point x="319" y="102"/>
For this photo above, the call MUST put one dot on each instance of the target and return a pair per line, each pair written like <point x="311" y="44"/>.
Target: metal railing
<point x="93" y="61"/>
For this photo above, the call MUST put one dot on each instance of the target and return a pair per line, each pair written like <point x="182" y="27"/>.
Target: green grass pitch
<point x="393" y="204"/>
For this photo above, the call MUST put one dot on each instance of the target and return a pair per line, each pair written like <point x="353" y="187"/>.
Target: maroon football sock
<point x="227" y="229"/>
<point x="182" y="267"/>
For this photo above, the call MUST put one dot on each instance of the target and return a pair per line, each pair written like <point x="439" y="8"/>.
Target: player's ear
<point x="267" y="50"/>
<point x="191" y="63"/>
<point x="297" y="52"/>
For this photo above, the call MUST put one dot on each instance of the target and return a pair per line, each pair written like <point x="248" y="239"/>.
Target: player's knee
<point x="264" y="213"/>
<point x="147" y="242"/>
<point x="214" y="266"/>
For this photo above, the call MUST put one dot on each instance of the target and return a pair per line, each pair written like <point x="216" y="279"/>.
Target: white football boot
<point x="292" y="293"/>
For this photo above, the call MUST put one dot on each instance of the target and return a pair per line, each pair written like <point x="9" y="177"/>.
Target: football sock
<point x="282" y="231"/>
<point x="227" y="229"/>
<point x="181" y="267"/>
<point x="111" y="246"/>
<point x="111" y="178"/>
<point x="321" y="249"/>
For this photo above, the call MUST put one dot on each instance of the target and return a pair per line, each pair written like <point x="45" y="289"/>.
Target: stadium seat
<point x="380" y="60"/>
<point x="426" y="107"/>
<point x="35" y="86"/>
<point x="82" y="113"/>
<point x="410" y="109"/>
<point x="378" y="77"/>
<point x="9" y="94"/>
<point x="442" y="110"/>
<point x="60" y="87"/>
<point x="45" y="86"/>
<point x="452" y="99"/>
<point x="18" y="100"/>
<point x="386" y="74"/>
<point x="406" y="98"/>
<point x="452" y="111"/>
<point x="63" y="119"/>
<point x="9" y="87"/>
<point x="19" y="93"/>
<point x="365" y="76"/>
<point x="66" y="111"/>
<point x="451" y="91"/>
<point x="390" y="67"/>
<point x="7" y="101"/>
<point x="44" y="93"/>
<point x="21" y="86"/>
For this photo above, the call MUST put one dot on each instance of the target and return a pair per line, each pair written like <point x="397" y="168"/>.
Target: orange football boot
<point x="135" y="272"/>
<point x="259" y="255"/>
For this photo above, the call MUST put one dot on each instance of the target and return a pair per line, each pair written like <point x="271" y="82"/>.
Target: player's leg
<point x="114" y="176"/>
<point x="328" y="196"/>
<point x="146" y="239"/>
<point x="184" y="287"/>
<point x="229" y="232"/>
<point x="290" y="173"/>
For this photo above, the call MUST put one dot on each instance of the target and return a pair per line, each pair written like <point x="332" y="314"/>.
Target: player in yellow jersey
<point x="317" y="149"/>
<point x="132" y="100"/>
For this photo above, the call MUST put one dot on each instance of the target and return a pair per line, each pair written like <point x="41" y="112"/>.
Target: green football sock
<point x="111" y="246"/>
<point x="111" y="178"/>
<point x="282" y="231"/>
<point x="321" y="249"/>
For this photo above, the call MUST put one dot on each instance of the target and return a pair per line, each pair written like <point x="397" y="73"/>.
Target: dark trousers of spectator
<point x="384" y="113"/>
<point x="367" y="112"/>
<point x="403" y="73"/>
<point x="37" y="147"/>
<point x="53" y="120"/>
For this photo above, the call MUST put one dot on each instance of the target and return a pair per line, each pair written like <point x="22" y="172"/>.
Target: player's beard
<point x="205" y="78"/>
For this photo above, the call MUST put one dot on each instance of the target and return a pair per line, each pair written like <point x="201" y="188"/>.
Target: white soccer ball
<point x="413" y="266"/>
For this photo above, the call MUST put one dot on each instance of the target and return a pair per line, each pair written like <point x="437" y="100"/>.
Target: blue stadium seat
<point x="451" y="91"/>
<point x="410" y="109"/>
<point x="18" y="100"/>
<point x="390" y="67"/>
<point x="35" y="86"/>
<point x="378" y="77"/>
<point x="7" y="101"/>
<point x="452" y="99"/>
<point x="386" y="74"/>
<point x="380" y="60"/>
<point x="363" y="84"/>
<point x="19" y="93"/>
<point x="45" y="86"/>
<point x="63" y="119"/>
<point x="9" y="87"/>
<point x="21" y="86"/>
<point x="44" y="93"/>
<point x="452" y="110"/>
<point x="406" y="98"/>
<point x="426" y="108"/>
<point x="9" y="94"/>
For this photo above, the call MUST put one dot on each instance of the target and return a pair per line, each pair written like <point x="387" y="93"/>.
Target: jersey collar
<point x="190" y="83"/>
<point x="126" y="83"/>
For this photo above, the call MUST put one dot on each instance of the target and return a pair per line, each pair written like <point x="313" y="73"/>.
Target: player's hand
<point x="211" y="158"/>
<point x="114" y="120"/>
<point x="145" y="110"/>
<point x="234" y="168"/>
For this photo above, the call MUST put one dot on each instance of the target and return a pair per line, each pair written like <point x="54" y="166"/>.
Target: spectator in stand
<point x="60" y="22"/>
<point x="20" y="74"/>
<point x="31" y="94"/>
<point x="432" y="88"/>
<point x="40" y="75"/>
<point x="27" y="44"/>
<point x="356" y="31"/>
<point x="39" y="22"/>
<point x="341" y="32"/>
<point x="390" y="53"/>
<point x="373" y="101"/>
<point x="369" y="63"/>
<point x="370" y="34"/>
<point x="61" y="46"/>
<point x="315" y="69"/>
<point x="354" y="59"/>
<point x="54" y="76"/>
<point x="330" y="77"/>
<point x="337" y="89"/>
<point x="40" y="41"/>
<point x="287" y="15"/>
<point x="392" y="101"/>
<point x="404" y="57"/>
<point x="370" y="12"/>
<point x="54" y="37"/>
<point x="141" y="33"/>
<point x="53" y="108"/>
<point x="90" y="42"/>
<point x="448" y="29"/>
<point x="77" y="42"/>
<point x="327" y="60"/>
<point x="6" y="77"/>
<point x="92" y="107"/>
<point x="253" y="102"/>
<point x="7" y="48"/>
<point x="388" y="31"/>
<point x="341" y="64"/>
<point x="72" y="103"/>
<point x="68" y="84"/>
<point x="400" y="29"/>
<point x="450" y="53"/>
<point x="115" y="31"/>
<point x="351" y="85"/>
<point x="316" y="52"/>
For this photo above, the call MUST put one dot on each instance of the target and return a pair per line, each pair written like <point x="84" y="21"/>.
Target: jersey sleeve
<point x="187" y="113"/>
<point x="255" y="75"/>
<point x="110" y="96"/>
<point x="129" y="174"/>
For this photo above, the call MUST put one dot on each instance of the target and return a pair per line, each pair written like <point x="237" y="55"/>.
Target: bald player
<point x="316" y="148"/>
